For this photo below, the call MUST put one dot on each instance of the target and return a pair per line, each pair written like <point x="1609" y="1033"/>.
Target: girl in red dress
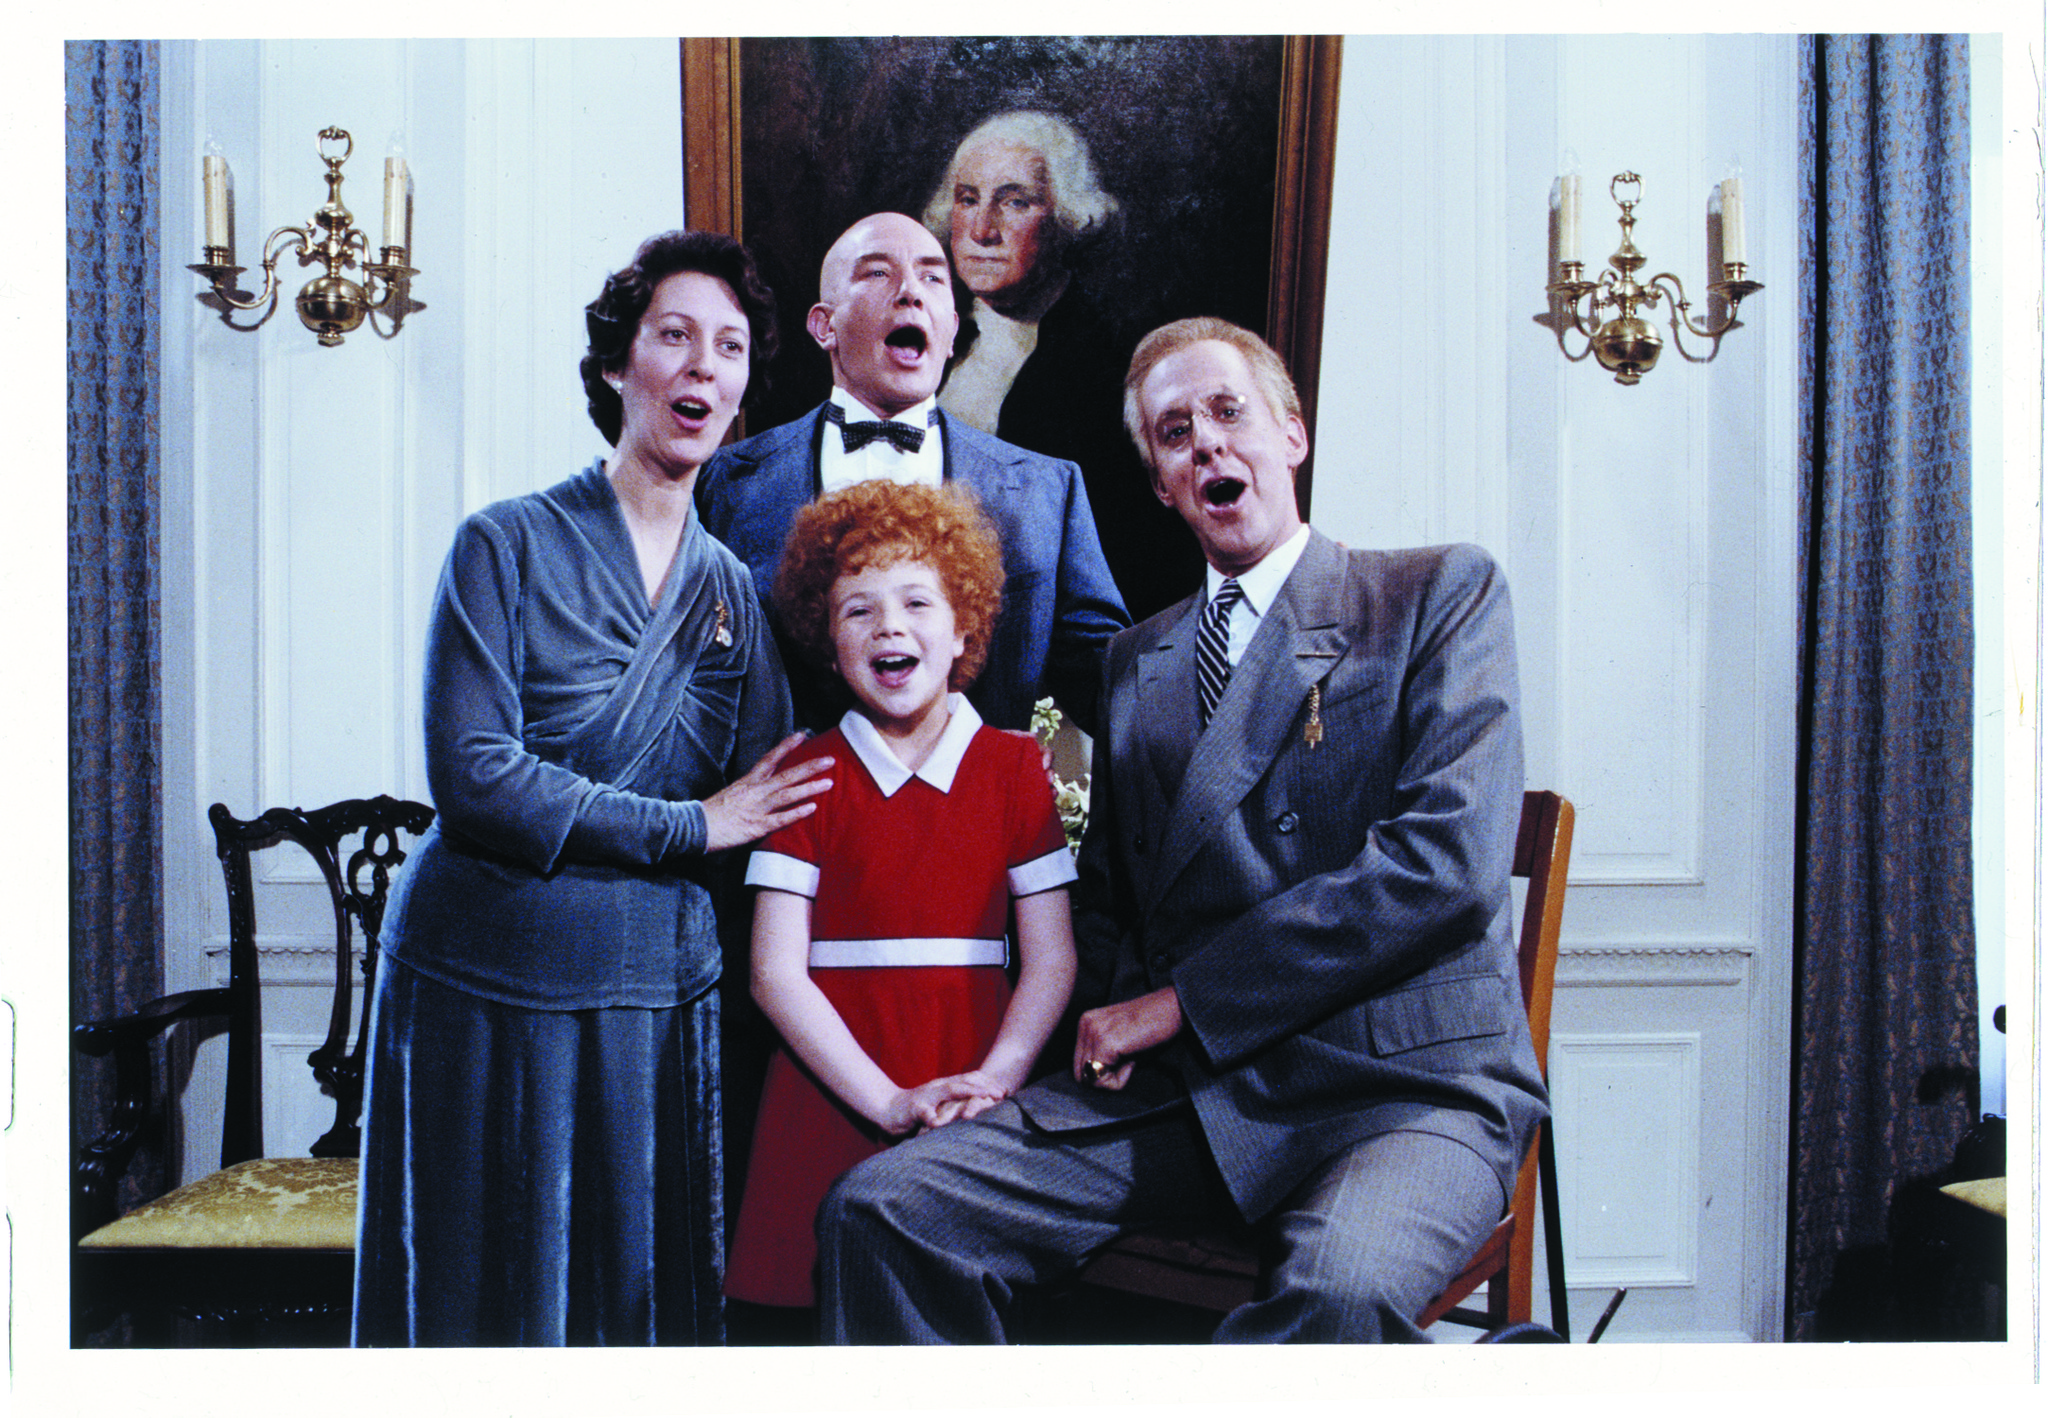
<point x="879" y="947"/>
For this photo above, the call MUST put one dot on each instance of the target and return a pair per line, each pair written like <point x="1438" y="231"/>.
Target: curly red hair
<point x="879" y="523"/>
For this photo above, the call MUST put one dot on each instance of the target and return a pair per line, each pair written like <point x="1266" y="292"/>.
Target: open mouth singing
<point x="893" y="670"/>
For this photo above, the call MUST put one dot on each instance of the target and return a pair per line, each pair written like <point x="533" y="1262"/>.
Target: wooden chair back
<point x="357" y="884"/>
<point x="1506" y="1263"/>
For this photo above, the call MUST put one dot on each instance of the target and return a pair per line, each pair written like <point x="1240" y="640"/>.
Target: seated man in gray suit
<point x="1293" y="922"/>
<point x="886" y="319"/>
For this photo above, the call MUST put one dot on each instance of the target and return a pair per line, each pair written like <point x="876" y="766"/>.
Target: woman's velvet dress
<point x="541" y="1151"/>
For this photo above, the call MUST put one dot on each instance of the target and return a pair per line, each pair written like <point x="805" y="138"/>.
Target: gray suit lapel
<point x="1167" y="707"/>
<point x="1297" y="644"/>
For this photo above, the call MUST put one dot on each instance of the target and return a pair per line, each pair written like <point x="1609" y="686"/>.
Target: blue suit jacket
<point x="1060" y="606"/>
<point x="1334" y="917"/>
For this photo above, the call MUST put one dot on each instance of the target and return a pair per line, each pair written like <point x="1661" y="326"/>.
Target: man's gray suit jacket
<point x="1060" y="606"/>
<point x="1333" y="915"/>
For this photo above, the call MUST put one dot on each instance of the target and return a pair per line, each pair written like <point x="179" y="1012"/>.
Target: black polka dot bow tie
<point x="856" y="436"/>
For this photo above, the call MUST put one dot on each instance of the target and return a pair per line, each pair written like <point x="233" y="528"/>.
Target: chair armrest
<point x="103" y="1159"/>
<point x="100" y="1037"/>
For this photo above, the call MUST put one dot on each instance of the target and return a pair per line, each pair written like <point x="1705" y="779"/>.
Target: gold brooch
<point x="1312" y="732"/>
<point x="721" y="633"/>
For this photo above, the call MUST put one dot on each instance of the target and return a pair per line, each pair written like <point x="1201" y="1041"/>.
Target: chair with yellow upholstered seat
<point x="265" y="1247"/>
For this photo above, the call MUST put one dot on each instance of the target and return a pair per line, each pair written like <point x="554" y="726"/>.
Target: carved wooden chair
<point x="1220" y="1270"/>
<point x="264" y="1249"/>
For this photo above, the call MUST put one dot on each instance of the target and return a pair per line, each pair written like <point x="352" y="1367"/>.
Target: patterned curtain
<point x="1885" y="1029"/>
<point x="111" y="219"/>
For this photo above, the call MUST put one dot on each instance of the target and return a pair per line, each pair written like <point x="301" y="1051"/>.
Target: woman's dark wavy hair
<point x="613" y="319"/>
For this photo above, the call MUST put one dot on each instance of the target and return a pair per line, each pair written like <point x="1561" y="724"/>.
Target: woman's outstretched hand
<point x="767" y="797"/>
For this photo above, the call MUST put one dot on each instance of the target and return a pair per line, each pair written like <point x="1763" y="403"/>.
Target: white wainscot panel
<point x="199" y="1076"/>
<point x="297" y="992"/>
<point x="1629" y="1163"/>
<point x="330" y="650"/>
<point x="296" y="1114"/>
<point x="1414" y="445"/>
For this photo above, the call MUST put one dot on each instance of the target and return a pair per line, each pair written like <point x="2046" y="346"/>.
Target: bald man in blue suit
<point x="886" y="319"/>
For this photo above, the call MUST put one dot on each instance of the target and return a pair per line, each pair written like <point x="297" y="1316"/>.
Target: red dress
<point x="899" y="880"/>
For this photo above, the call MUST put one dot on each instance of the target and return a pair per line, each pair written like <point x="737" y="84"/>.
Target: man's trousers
<point x="926" y="1243"/>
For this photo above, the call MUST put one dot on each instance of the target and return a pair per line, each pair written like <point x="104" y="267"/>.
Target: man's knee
<point x="866" y="1197"/>
<point x="917" y="1186"/>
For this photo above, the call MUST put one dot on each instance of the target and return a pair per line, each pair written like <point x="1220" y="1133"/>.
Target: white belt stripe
<point x="928" y="950"/>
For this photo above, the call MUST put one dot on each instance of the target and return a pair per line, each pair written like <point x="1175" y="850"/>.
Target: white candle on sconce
<point x="395" y="201"/>
<point x="1734" y="241"/>
<point x="1568" y="218"/>
<point x="213" y="170"/>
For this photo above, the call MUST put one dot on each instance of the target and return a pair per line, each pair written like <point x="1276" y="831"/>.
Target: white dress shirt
<point x="1260" y="585"/>
<point x="881" y="459"/>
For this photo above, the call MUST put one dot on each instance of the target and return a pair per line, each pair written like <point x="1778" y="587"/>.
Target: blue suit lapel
<point x="1296" y="646"/>
<point x="970" y="462"/>
<point x="759" y="485"/>
<point x="775" y="448"/>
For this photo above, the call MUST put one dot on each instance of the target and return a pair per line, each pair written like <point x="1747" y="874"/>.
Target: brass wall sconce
<point x="331" y="305"/>
<point x="1625" y="343"/>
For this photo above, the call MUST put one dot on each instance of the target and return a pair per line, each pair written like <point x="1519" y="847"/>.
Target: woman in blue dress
<point x="541" y="1150"/>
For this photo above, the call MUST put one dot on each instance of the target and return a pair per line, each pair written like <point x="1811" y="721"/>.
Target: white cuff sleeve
<point x="782" y="873"/>
<point x="1055" y="868"/>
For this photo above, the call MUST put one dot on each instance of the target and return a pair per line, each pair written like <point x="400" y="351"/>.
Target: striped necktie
<point x="1212" y="646"/>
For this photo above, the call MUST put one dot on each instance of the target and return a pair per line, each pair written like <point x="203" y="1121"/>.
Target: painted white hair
<point x="1079" y="205"/>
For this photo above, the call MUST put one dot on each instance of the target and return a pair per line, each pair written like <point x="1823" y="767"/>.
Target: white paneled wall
<point x="310" y="494"/>
<point x="1647" y="534"/>
<point x="1635" y="1096"/>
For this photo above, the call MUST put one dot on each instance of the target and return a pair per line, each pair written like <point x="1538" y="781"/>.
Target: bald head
<point x="881" y="233"/>
<point x="885" y="313"/>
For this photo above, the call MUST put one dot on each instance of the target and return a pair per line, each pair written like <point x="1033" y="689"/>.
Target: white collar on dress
<point x="938" y="769"/>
